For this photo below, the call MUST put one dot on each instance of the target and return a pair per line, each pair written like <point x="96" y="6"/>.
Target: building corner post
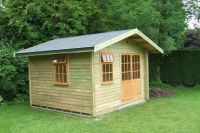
<point x="147" y="75"/>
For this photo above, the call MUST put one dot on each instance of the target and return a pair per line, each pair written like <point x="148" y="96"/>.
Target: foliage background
<point x="13" y="74"/>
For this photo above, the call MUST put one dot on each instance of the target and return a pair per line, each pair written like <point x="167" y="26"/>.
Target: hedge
<point x="179" y="67"/>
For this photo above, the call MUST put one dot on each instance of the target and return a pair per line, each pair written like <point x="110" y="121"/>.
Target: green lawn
<point x="176" y="114"/>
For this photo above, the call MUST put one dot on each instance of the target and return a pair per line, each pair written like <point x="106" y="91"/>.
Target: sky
<point x="193" y="23"/>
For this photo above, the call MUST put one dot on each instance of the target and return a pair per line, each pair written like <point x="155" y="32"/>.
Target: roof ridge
<point x="92" y="34"/>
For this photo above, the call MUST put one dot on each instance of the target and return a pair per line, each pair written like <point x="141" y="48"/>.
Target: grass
<point x="176" y="114"/>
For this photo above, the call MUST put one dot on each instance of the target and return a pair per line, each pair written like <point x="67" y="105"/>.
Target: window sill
<point x="61" y="84"/>
<point x="107" y="83"/>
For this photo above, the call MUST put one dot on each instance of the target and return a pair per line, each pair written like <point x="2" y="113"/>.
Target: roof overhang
<point x="137" y="37"/>
<point x="64" y="51"/>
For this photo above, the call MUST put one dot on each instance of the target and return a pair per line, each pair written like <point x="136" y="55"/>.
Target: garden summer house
<point x="90" y="74"/>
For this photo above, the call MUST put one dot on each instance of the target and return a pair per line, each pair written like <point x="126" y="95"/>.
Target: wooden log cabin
<point x="90" y="74"/>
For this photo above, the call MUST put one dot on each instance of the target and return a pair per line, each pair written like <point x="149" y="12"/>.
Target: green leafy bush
<point x="13" y="74"/>
<point x="181" y="67"/>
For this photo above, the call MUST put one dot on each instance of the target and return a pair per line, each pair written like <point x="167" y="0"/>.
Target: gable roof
<point x="93" y="42"/>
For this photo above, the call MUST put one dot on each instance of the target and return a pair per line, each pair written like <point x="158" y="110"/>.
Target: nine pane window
<point x="60" y="70"/>
<point x="107" y="67"/>
<point x="130" y="66"/>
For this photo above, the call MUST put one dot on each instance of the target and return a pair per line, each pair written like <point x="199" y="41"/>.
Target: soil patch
<point x="156" y="93"/>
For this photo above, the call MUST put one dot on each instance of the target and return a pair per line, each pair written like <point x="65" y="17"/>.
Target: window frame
<point x="66" y="63"/>
<point x="101" y="68"/>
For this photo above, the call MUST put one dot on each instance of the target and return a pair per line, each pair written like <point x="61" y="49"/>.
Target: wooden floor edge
<point x="120" y="107"/>
<point x="62" y="111"/>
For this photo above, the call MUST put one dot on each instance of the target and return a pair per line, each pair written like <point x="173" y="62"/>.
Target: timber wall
<point x="76" y="97"/>
<point x="108" y="96"/>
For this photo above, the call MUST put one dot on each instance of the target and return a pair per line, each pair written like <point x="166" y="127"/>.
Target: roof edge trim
<point x="125" y="35"/>
<point x="77" y="50"/>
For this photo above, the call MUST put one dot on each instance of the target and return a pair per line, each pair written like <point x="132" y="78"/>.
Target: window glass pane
<point x="103" y="57"/>
<point x="126" y="66"/>
<point x="123" y="76"/>
<point x="111" y="58"/>
<point x="104" y="77"/>
<point x="108" y="58"/>
<point x="62" y="59"/>
<point x="123" y="68"/>
<point x="138" y="74"/>
<point x="111" y="77"/>
<point x="129" y="67"/>
<point x="65" y="78"/>
<point x="107" y="67"/>
<point x="123" y="58"/>
<point x="61" y="79"/>
<point x="65" y="67"/>
<point x="133" y="65"/>
<point x="129" y="76"/>
<point x="138" y="58"/>
<point x="129" y="58"/>
<point x="136" y="66"/>
<point x="104" y="68"/>
<point x="133" y="75"/>
<point x="110" y="67"/>
<point x="107" y="77"/>
<point x="57" y="78"/>
<point x="60" y="68"/>
<point x="57" y="70"/>
<point x="133" y="58"/>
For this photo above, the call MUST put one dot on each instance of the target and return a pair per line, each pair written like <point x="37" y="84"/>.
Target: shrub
<point x="13" y="74"/>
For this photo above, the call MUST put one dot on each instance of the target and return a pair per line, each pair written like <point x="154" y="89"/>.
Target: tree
<point x="13" y="74"/>
<point x="162" y="20"/>
<point x="127" y="14"/>
<point x="26" y="23"/>
<point x="172" y="23"/>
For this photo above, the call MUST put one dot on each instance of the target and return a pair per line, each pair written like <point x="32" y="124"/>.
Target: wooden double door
<point x="131" y="76"/>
